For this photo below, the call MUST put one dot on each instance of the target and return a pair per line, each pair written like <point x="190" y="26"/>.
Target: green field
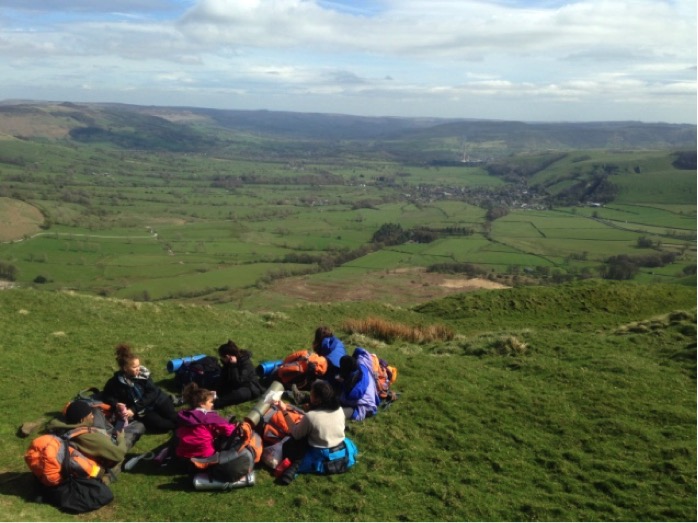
<point x="593" y="418"/>
<point x="147" y="226"/>
<point x="564" y="393"/>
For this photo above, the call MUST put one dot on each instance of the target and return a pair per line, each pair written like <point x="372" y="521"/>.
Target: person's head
<point x="229" y="352"/>
<point x="128" y="362"/>
<point x="347" y="366"/>
<point x="322" y="396"/>
<point x="321" y="333"/>
<point x="197" y="397"/>
<point x="79" y="412"/>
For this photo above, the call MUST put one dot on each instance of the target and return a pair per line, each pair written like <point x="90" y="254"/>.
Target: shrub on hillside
<point x="8" y="271"/>
<point x="390" y="331"/>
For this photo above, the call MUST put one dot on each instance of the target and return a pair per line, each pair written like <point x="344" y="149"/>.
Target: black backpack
<point x="76" y="494"/>
<point x="205" y="372"/>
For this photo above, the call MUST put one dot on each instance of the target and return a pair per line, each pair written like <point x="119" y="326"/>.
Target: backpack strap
<point x="68" y="444"/>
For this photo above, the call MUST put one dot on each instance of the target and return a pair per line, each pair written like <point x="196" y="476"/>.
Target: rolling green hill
<point x="421" y="140"/>
<point x="572" y="403"/>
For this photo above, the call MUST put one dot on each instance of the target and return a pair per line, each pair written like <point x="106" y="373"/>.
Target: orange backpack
<point x="251" y="440"/>
<point x="51" y="458"/>
<point x="385" y="376"/>
<point x="92" y="396"/>
<point x="295" y="369"/>
<point x="276" y="428"/>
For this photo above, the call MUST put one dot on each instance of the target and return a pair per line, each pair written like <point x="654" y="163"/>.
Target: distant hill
<point x="201" y="129"/>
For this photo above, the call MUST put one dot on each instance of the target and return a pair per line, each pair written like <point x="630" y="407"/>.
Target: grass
<point x="574" y="403"/>
<point x="134" y="225"/>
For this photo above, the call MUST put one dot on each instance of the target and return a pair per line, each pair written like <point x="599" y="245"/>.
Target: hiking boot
<point x="299" y="396"/>
<point x="30" y="427"/>
<point x="290" y="473"/>
<point x="109" y="477"/>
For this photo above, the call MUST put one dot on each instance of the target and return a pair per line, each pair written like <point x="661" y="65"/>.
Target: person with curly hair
<point x="131" y="390"/>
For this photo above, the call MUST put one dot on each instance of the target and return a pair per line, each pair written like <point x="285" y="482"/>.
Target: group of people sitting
<point x="221" y="453"/>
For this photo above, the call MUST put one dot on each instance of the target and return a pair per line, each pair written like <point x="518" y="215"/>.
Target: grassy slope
<point x="594" y="420"/>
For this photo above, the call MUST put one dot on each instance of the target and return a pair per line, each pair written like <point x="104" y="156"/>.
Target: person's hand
<point x="280" y="405"/>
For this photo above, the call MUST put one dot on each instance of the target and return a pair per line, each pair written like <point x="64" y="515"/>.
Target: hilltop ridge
<point x="202" y="129"/>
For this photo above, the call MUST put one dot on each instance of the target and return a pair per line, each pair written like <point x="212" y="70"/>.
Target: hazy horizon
<point x="524" y="60"/>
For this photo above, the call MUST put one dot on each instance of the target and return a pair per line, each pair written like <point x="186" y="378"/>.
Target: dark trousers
<point x="161" y="417"/>
<point x="295" y="449"/>
<point x="234" y="397"/>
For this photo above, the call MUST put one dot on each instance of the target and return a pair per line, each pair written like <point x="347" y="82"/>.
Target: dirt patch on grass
<point x="404" y="287"/>
<point x="18" y="219"/>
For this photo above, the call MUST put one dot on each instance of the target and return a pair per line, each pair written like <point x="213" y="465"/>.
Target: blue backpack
<point x="336" y="460"/>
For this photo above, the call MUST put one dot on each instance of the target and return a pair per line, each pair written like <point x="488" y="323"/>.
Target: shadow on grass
<point x="19" y="484"/>
<point x="178" y="483"/>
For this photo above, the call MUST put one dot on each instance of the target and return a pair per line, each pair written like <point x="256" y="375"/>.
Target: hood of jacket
<point x="194" y="417"/>
<point x="332" y="348"/>
<point x="59" y="426"/>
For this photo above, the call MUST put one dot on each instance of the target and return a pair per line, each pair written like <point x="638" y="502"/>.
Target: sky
<point x="525" y="60"/>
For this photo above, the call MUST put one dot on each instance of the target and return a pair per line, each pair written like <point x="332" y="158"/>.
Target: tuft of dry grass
<point x="389" y="331"/>
<point x="655" y="323"/>
<point x="509" y="346"/>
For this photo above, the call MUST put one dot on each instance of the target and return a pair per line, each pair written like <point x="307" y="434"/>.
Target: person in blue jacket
<point x="328" y="345"/>
<point x="359" y="395"/>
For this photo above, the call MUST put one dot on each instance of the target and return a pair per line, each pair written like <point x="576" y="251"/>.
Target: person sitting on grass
<point x="97" y="444"/>
<point x="359" y="394"/>
<point x="132" y="390"/>
<point x="238" y="382"/>
<point x="317" y="443"/>
<point x="201" y="432"/>
<point x="326" y="344"/>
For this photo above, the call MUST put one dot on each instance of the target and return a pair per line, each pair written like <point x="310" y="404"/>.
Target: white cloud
<point x="412" y="57"/>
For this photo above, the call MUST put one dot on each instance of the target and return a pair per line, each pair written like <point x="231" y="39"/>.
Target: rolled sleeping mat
<point x="274" y="392"/>
<point x="204" y="481"/>
<point x="266" y="368"/>
<point x="174" y="365"/>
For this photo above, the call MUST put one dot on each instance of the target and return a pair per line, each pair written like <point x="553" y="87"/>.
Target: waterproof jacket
<point x="238" y="375"/>
<point x="332" y="348"/>
<point x="138" y="394"/>
<point x="198" y="430"/>
<point x="359" y="389"/>
<point x="97" y="444"/>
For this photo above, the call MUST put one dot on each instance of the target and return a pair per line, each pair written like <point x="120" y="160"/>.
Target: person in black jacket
<point x="132" y="389"/>
<point x="239" y="381"/>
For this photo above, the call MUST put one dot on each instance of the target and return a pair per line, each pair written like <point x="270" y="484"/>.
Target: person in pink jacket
<point x="202" y="432"/>
<point x="199" y="427"/>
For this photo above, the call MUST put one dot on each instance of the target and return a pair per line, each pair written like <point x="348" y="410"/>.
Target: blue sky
<point x="545" y="60"/>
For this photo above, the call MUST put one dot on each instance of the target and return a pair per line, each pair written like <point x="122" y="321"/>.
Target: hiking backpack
<point x="243" y="437"/>
<point x="301" y="368"/>
<point x="385" y="375"/>
<point x="205" y="372"/>
<point x="106" y="417"/>
<point x="93" y="397"/>
<point x="49" y="453"/>
<point x="275" y="428"/>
